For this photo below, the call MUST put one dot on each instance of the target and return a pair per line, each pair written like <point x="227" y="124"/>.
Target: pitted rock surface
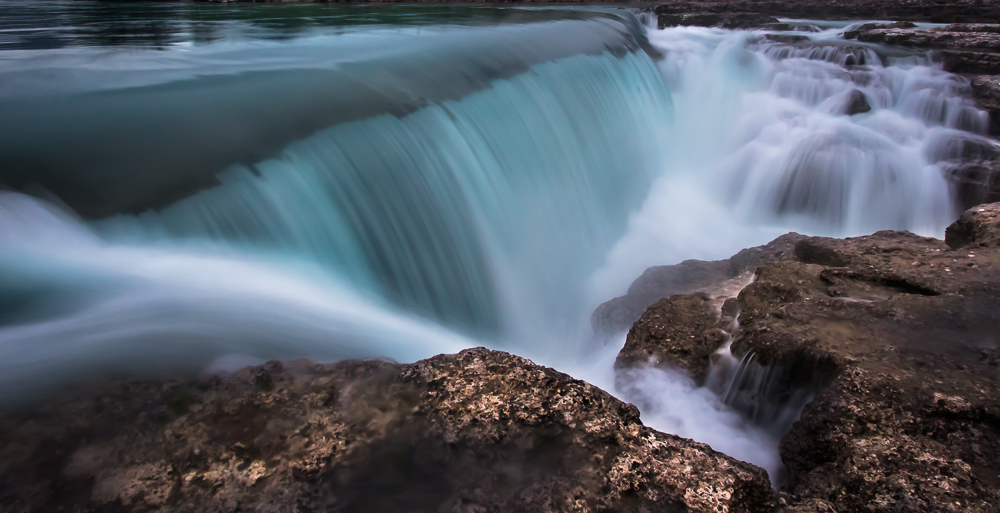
<point x="480" y="431"/>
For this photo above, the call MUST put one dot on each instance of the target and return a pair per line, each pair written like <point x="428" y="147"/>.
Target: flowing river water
<point x="195" y="188"/>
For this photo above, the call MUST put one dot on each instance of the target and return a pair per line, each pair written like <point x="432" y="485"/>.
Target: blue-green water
<point x="199" y="186"/>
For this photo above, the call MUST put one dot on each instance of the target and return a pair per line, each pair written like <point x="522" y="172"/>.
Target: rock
<point x="480" y="431"/>
<point x="895" y="336"/>
<point x="943" y="11"/>
<point x="857" y="103"/>
<point x="975" y="183"/>
<point x="719" y="278"/>
<point x="786" y="38"/>
<point x="728" y="20"/>
<point x="986" y="88"/>
<point x="979" y="226"/>
<point x="618" y="314"/>
<point x="904" y="330"/>
<point x="678" y="332"/>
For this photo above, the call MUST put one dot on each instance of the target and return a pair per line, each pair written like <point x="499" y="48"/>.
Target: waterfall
<point x="401" y="190"/>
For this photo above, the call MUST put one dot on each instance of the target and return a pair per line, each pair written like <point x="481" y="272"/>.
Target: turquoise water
<point x="194" y="187"/>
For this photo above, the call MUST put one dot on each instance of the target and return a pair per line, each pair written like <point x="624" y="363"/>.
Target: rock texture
<point x="480" y="431"/>
<point x="970" y="49"/>
<point x="898" y="337"/>
<point x="680" y="332"/>
<point x="719" y="279"/>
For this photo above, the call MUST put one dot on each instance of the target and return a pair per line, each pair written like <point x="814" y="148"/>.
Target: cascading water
<point x="488" y="186"/>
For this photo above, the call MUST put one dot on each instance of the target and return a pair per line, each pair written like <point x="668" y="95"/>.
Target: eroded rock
<point x="480" y="431"/>
<point x="679" y="332"/>
<point x="896" y="335"/>
<point x="721" y="278"/>
<point x="898" y="324"/>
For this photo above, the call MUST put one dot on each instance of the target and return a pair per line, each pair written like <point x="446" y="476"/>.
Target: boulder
<point x="977" y="227"/>
<point x="720" y="279"/>
<point x="679" y="332"/>
<point x="480" y="431"/>
<point x="857" y="103"/>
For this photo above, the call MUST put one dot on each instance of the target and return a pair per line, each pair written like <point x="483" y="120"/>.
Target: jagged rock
<point x="679" y="332"/>
<point x="979" y="226"/>
<point x="857" y="103"/>
<point x="480" y="431"/>
<point x="719" y="278"/>
<point x="903" y="328"/>
<point x="898" y="338"/>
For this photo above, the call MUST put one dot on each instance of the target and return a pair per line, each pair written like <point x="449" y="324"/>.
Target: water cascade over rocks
<point x="497" y="211"/>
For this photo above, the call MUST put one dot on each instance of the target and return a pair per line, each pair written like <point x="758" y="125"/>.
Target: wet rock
<point x="857" y="103"/>
<point x="895" y="337"/>
<point x="721" y="278"/>
<point x="679" y="332"/>
<point x="975" y="183"/>
<point x="480" y="431"/>
<point x="897" y="324"/>
<point x="979" y="226"/>
<point x="666" y="17"/>
<point x="786" y="38"/>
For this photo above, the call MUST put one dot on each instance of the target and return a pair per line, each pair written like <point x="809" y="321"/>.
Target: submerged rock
<point x="857" y="103"/>
<point x="480" y="431"/>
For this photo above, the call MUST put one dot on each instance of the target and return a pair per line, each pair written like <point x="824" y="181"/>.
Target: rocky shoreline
<point x="894" y="334"/>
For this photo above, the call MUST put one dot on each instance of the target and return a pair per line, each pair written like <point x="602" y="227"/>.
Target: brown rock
<point x="721" y="278"/>
<point x="978" y="226"/>
<point x="904" y="329"/>
<point x="675" y="332"/>
<point x="480" y="431"/>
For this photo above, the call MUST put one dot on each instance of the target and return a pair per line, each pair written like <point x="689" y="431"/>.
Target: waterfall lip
<point x="163" y="156"/>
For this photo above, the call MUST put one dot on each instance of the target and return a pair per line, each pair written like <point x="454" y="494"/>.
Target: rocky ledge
<point x="897" y="338"/>
<point x="480" y="431"/>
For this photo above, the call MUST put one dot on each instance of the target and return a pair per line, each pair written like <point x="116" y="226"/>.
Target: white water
<point x="500" y="219"/>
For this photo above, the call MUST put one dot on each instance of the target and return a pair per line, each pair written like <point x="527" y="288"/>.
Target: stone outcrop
<point x="680" y="332"/>
<point x="898" y="338"/>
<point x="480" y="431"/>
<point x="719" y="279"/>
